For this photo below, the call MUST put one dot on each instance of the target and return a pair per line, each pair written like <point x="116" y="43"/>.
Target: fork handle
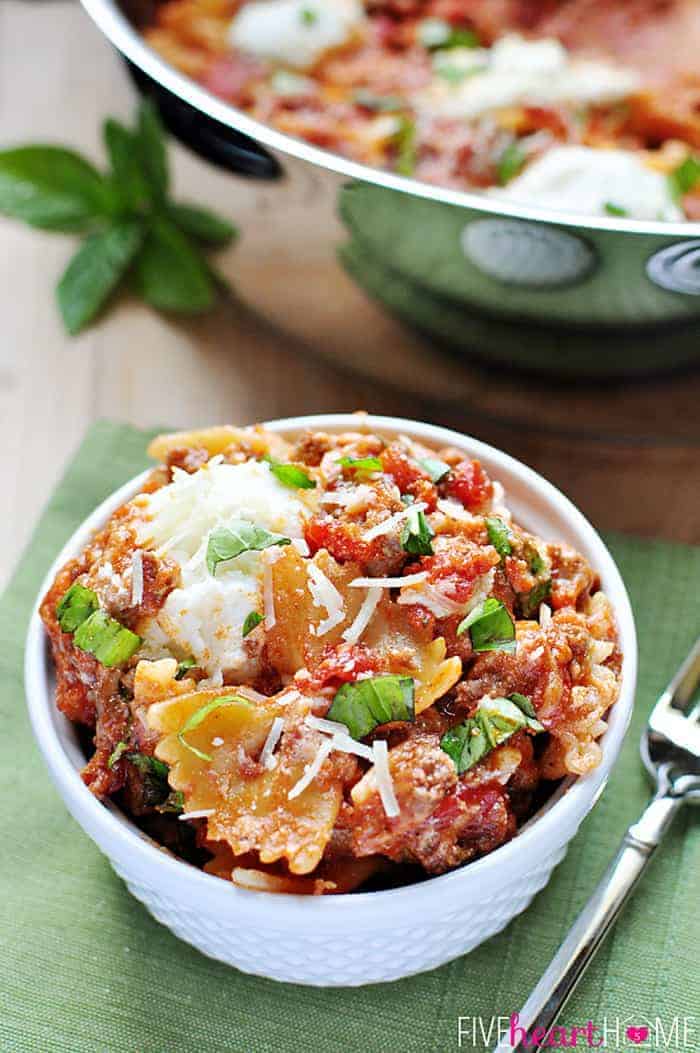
<point x="557" y="984"/>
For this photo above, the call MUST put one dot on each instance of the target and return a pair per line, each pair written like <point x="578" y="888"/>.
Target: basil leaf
<point x="308" y="16"/>
<point x="417" y="534"/>
<point x="495" y="720"/>
<point x="365" y="704"/>
<point x="95" y="271"/>
<point x="436" y="469"/>
<point x="200" y="715"/>
<point x="183" y="668"/>
<point x="290" y="475"/>
<point x="437" y="33"/>
<point x="361" y="465"/>
<point x="106" y="639"/>
<point x="127" y="174"/>
<point x="510" y="163"/>
<point x="202" y="225"/>
<point x="75" y="606"/>
<point x="685" y="177"/>
<point x="530" y="601"/>
<point x="523" y="703"/>
<point x="53" y="188"/>
<point x="116" y="754"/>
<point x="251" y="622"/>
<point x="533" y="557"/>
<point x="406" y="147"/>
<point x="240" y="536"/>
<point x="146" y="763"/>
<point x="491" y="627"/>
<point x="378" y="103"/>
<point x="499" y="535"/>
<point x="170" y="272"/>
<point x="615" y="210"/>
<point x="150" y="139"/>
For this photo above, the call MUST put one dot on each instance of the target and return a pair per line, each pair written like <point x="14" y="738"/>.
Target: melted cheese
<point x="294" y="33"/>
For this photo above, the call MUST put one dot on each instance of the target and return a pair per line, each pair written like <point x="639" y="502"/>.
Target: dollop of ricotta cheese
<point x="294" y="33"/>
<point x="594" y="183"/>
<point x="470" y="82"/>
<point x="204" y="616"/>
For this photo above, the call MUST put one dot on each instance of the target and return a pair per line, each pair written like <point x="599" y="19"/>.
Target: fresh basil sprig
<point x="417" y="534"/>
<point x="240" y="536"/>
<point x="365" y="704"/>
<point x="491" y="627"/>
<point x="133" y="227"/>
<point x="495" y="720"/>
<point x="290" y="475"/>
<point x="361" y="465"/>
<point x="499" y="535"/>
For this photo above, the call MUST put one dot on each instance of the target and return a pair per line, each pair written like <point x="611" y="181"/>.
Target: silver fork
<point x="670" y="750"/>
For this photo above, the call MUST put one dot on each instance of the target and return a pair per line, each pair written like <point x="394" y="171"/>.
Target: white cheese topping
<point x="311" y="770"/>
<point x="387" y="525"/>
<point x="204" y="616"/>
<point x="581" y="179"/>
<point x="325" y="594"/>
<point x="294" y="33"/>
<point x="516" y="71"/>
<point x="363" y="617"/>
<point x="267" y="757"/>
<point x="382" y="774"/>
<point x="389" y="583"/>
<point x="137" y="578"/>
<point x="201" y="813"/>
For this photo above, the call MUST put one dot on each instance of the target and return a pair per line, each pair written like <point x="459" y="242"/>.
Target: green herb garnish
<point x="75" y="606"/>
<point x="146" y="763"/>
<point x="417" y="534"/>
<point x="308" y="16"/>
<point x="251" y="622"/>
<point x="184" y="667"/>
<point x="499" y="535"/>
<point x="103" y="637"/>
<point x="510" y="162"/>
<point x="290" y="475"/>
<point x="533" y="557"/>
<point x="200" y="715"/>
<point x="174" y="802"/>
<point x="364" y="705"/>
<point x="436" y="469"/>
<point x="495" y="720"/>
<point x="361" y="465"/>
<point x="615" y="210"/>
<point x="154" y="774"/>
<point x="134" y="230"/>
<point x="685" y="177"/>
<point x="530" y="601"/>
<point x="117" y="753"/>
<point x="406" y="147"/>
<point x="436" y="33"/>
<point x="240" y="536"/>
<point x="491" y="627"/>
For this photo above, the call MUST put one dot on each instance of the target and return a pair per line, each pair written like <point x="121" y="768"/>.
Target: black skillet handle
<point x="215" y="142"/>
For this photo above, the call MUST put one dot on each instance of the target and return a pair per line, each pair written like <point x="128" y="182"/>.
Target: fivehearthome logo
<point x="678" y="1034"/>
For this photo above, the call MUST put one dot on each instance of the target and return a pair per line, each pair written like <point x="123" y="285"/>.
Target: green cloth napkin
<point x="84" y="968"/>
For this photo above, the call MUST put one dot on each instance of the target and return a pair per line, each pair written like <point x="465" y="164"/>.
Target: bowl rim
<point x="117" y="835"/>
<point x="111" y="21"/>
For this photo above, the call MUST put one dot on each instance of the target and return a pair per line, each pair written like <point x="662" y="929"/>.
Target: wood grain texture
<point x="627" y="454"/>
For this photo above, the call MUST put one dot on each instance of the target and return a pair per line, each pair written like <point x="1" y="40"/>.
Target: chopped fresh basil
<point x="530" y="601"/>
<point x="437" y="33"/>
<point x="365" y="704"/>
<point x="184" y="667"/>
<point x="499" y="535"/>
<point x="240" y="536"/>
<point x="524" y="703"/>
<point x="436" y="469"/>
<point x="615" y="210"/>
<point x="75" y="606"/>
<point x="201" y="715"/>
<point x="174" y="802"/>
<point x="361" y="465"/>
<point x="308" y="16"/>
<point x="685" y="177"/>
<point x="106" y="639"/>
<point x="117" y="753"/>
<point x="417" y="534"/>
<point x="491" y="627"/>
<point x="291" y="475"/>
<point x="510" y="162"/>
<point x="406" y="147"/>
<point x="534" y="558"/>
<point x="251" y="622"/>
<point x="378" y="103"/>
<point x="154" y="776"/>
<point x="146" y="763"/>
<point x="495" y="720"/>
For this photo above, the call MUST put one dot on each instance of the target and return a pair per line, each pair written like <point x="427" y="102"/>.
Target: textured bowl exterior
<point x="363" y="938"/>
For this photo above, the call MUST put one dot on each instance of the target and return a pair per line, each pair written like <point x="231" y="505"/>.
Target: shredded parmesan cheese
<point x="203" y="813"/>
<point x="388" y="583"/>
<point x="137" y="578"/>
<point x="267" y="758"/>
<point x="340" y="739"/>
<point x="380" y="752"/>
<point x="301" y="546"/>
<point x="363" y="617"/>
<point x="268" y="597"/>
<point x="326" y="595"/>
<point x="311" y="770"/>
<point x="330" y="727"/>
<point x="387" y="525"/>
<point x="545" y="615"/>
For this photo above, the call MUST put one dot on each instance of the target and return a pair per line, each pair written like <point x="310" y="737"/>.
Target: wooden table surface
<point x="626" y="453"/>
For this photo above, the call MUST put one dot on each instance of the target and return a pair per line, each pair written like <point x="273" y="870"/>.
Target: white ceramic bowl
<point x="366" y="937"/>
